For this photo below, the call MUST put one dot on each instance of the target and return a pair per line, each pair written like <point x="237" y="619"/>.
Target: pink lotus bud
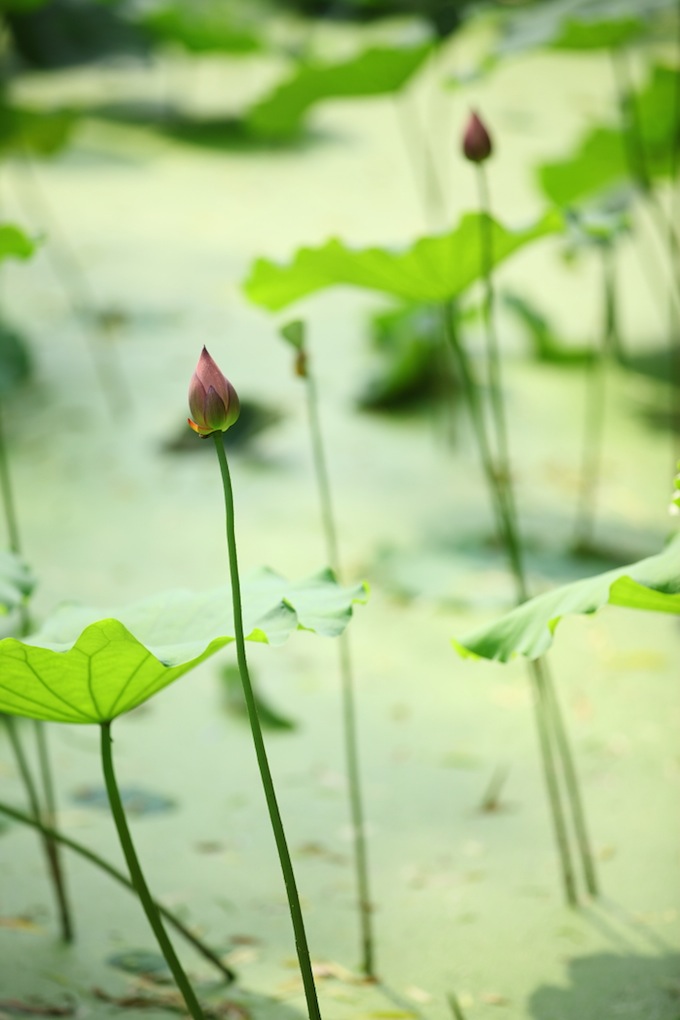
<point x="476" y="140"/>
<point x="213" y="401"/>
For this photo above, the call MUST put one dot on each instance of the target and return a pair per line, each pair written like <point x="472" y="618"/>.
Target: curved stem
<point x="260" y="751"/>
<point x="347" y="689"/>
<point x="118" y="876"/>
<point x="137" y="877"/>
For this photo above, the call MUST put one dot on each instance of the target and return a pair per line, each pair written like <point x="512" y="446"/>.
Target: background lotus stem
<point x="137" y="876"/>
<point x="51" y="848"/>
<point x="260" y="750"/>
<point x="103" y="865"/>
<point x="593" y="433"/>
<point x="347" y="686"/>
<point x="49" y="845"/>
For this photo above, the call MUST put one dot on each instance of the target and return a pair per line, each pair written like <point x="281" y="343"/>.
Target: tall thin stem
<point x="593" y="432"/>
<point x="49" y="845"/>
<point x="78" y="290"/>
<point x="347" y="687"/>
<point x="260" y="750"/>
<point x="508" y="537"/>
<point x="51" y="848"/>
<point x="137" y="876"/>
<point x="118" y="876"/>
<point x="547" y="705"/>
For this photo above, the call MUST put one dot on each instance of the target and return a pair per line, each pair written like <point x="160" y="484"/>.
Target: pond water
<point x="466" y="901"/>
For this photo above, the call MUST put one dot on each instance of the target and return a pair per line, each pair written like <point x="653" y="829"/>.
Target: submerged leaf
<point x="651" y="584"/>
<point x="433" y="269"/>
<point x="86" y="667"/>
<point x="374" y="72"/>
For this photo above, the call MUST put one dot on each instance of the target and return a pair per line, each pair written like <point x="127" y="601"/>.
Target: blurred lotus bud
<point x="294" y="333"/>
<point x="213" y="401"/>
<point x="301" y="364"/>
<point x="476" y="140"/>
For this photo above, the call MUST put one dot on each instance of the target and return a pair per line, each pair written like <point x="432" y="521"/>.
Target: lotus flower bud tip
<point x="476" y="140"/>
<point x="213" y="401"/>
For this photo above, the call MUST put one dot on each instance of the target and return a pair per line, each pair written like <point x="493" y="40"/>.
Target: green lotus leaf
<point x="204" y="26"/>
<point x="600" y="162"/>
<point x="574" y="25"/>
<point x="652" y="584"/>
<point x="14" y="243"/>
<point x="86" y="666"/>
<point x="433" y="269"/>
<point x="374" y="72"/>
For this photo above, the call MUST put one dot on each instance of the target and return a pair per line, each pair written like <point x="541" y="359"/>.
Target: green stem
<point x="68" y="270"/>
<point x="137" y="877"/>
<point x="543" y="715"/>
<point x="51" y="848"/>
<point x="260" y="751"/>
<point x="593" y="433"/>
<point x="570" y="779"/>
<point x="493" y="355"/>
<point x="7" y="494"/>
<point x="547" y="706"/>
<point x="49" y="845"/>
<point x="503" y="510"/>
<point x="347" y="689"/>
<point x="118" y="876"/>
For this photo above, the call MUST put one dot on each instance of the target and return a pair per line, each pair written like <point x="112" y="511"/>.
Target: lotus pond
<point x="456" y="365"/>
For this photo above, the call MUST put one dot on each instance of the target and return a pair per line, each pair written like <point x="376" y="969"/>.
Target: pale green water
<point x="464" y="901"/>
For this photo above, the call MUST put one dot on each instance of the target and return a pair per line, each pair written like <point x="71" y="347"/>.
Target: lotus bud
<point x="213" y="401"/>
<point x="476" y="140"/>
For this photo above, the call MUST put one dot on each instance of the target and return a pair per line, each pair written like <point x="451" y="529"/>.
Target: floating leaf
<point x="652" y="584"/>
<point x="373" y="72"/>
<point x="87" y="667"/>
<point x="570" y="25"/>
<point x="152" y="966"/>
<point x="43" y="132"/>
<point x="136" y="800"/>
<point x="204" y="26"/>
<point x="434" y="269"/>
<point x="601" y="163"/>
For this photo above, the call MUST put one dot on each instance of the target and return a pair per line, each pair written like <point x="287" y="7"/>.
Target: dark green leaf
<point x="202" y="26"/>
<point x="601" y="163"/>
<point x="38" y="131"/>
<point x="374" y="72"/>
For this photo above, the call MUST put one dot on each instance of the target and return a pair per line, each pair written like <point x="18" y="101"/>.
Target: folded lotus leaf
<point x="652" y="584"/>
